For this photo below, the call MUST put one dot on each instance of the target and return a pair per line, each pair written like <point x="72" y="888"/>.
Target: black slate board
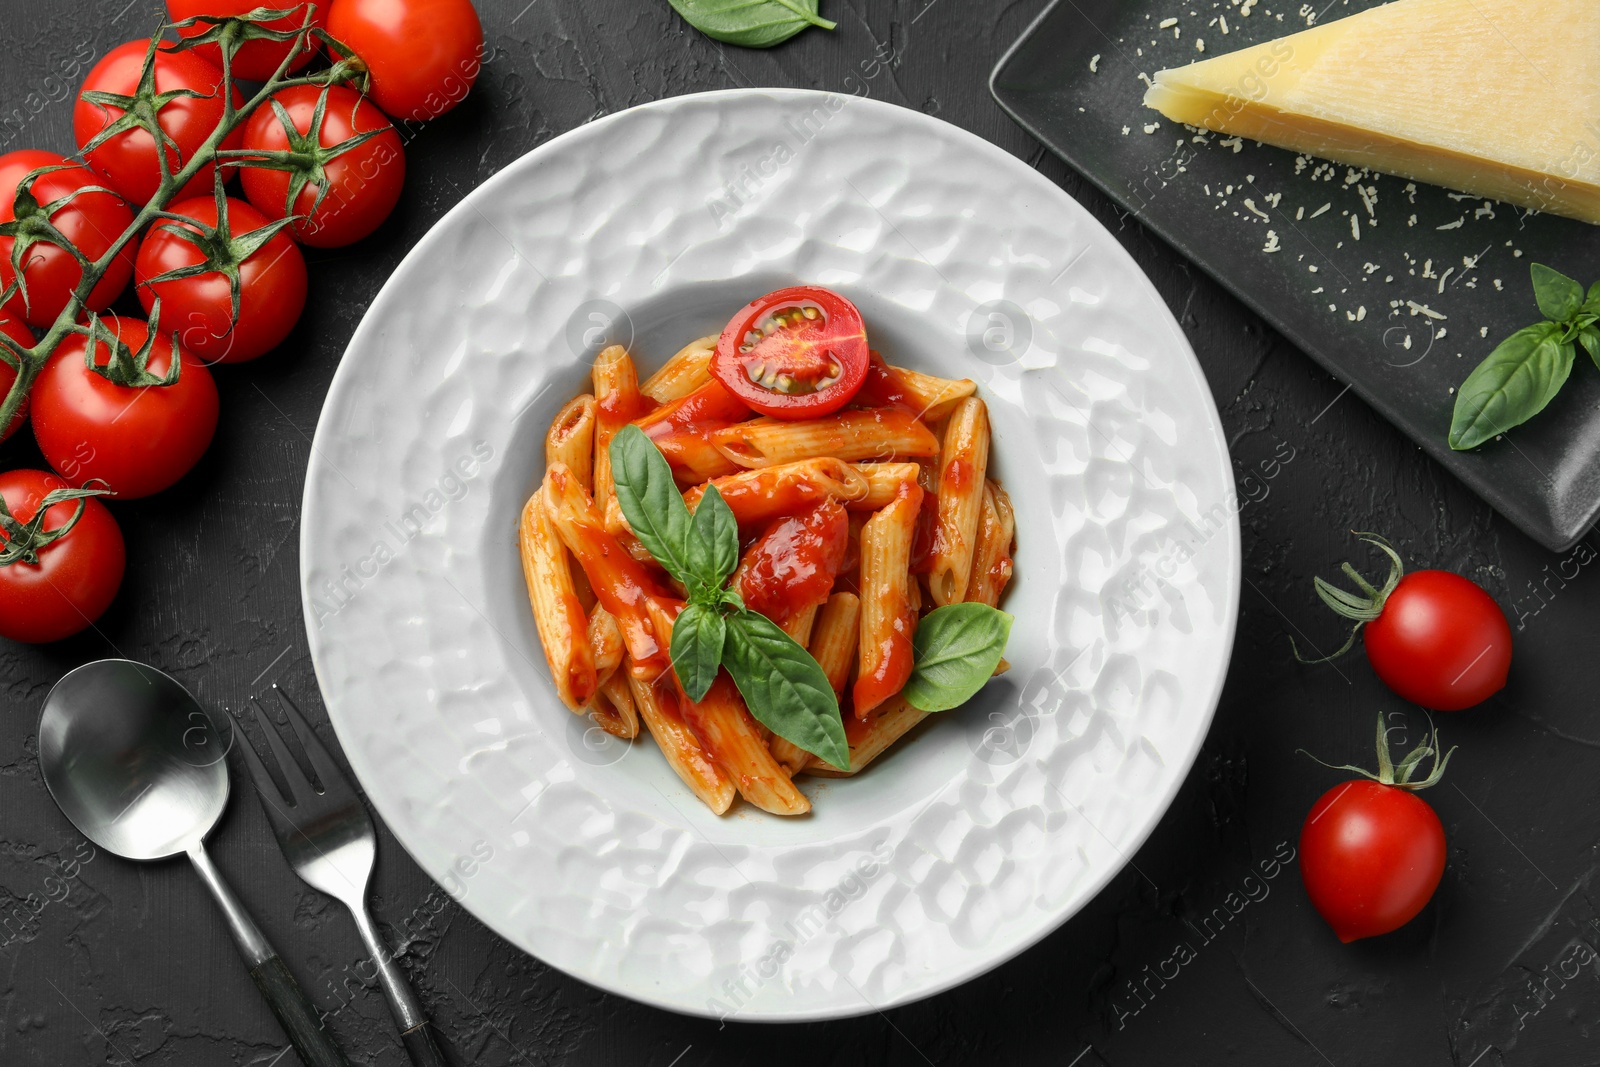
<point x="1356" y="305"/>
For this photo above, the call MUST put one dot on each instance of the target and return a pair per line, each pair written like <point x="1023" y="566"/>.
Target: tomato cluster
<point x="125" y="405"/>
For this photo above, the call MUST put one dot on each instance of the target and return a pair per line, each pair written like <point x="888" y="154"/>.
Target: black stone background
<point x="107" y="962"/>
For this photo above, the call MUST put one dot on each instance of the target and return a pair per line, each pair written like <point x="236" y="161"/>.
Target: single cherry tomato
<point x="1434" y="637"/>
<point x="792" y="565"/>
<point x="423" y="55"/>
<point x="68" y="574"/>
<point x="255" y="60"/>
<point x="92" y="221"/>
<point x="113" y="422"/>
<point x="19" y="333"/>
<point x="794" y="354"/>
<point x="127" y="160"/>
<point x="272" y="281"/>
<point x="348" y="188"/>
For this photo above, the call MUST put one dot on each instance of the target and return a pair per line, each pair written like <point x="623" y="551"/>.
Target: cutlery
<point x="135" y="762"/>
<point x="327" y="836"/>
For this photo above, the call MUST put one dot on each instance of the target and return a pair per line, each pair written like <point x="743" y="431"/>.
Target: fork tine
<point x="327" y="770"/>
<point x="299" y="786"/>
<point x="258" y="770"/>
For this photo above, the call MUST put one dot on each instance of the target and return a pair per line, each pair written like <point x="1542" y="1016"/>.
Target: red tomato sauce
<point x="792" y="565"/>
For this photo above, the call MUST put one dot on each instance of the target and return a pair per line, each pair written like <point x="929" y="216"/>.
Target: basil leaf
<point x="697" y="641"/>
<point x="1512" y="386"/>
<point x="955" y="651"/>
<point x="783" y="687"/>
<point x="1592" y="303"/>
<point x="713" y="548"/>
<point x="1591" y="341"/>
<point x="1559" y="296"/>
<point x="751" y="23"/>
<point x="650" y="500"/>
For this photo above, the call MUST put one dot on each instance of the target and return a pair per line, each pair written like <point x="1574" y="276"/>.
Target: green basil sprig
<point x="751" y="23"/>
<point x="956" y="650"/>
<point x="1526" y="371"/>
<point x="781" y="683"/>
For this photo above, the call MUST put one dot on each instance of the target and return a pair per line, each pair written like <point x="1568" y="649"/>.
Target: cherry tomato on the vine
<point x="137" y="438"/>
<point x="255" y="60"/>
<point x="19" y="333"/>
<point x="1434" y="637"/>
<point x="92" y="221"/>
<point x="797" y="353"/>
<point x="127" y="160"/>
<point x="357" y="184"/>
<point x="72" y="577"/>
<point x="423" y="55"/>
<point x="272" y="281"/>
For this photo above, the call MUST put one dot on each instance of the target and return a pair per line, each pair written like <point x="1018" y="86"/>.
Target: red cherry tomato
<point x="127" y="162"/>
<point x="792" y="565"/>
<point x="137" y="439"/>
<point x="272" y="285"/>
<point x="255" y="60"/>
<point x="20" y="334"/>
<point x="362" y="184"/>
<point x="423" y="54"/>
<point x="1371" y="856"/>
<point x="76" y="577"/>
<point x="794" y="354"/>
<point x="1441" y="642"/>
<point x="92" y="221"/>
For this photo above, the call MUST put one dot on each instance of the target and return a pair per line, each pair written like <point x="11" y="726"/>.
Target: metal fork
<point x="328" y="839"/>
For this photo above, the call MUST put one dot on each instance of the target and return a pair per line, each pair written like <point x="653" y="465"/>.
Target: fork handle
<point x="421" y="1046"/>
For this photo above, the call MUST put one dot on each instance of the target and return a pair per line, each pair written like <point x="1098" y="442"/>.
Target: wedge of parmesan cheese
<point x="1498" y="98"/>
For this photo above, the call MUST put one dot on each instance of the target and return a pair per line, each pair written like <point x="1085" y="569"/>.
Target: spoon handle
<point x="288" y="1002"/>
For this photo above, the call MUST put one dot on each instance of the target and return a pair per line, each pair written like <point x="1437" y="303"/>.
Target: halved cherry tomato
<point x="255" y="60"/>
<point x="19" y="333"/>
<point x="77" y="573"/>
<point x="127" y="161"/>
<point x="794" y="354"/>
<point x="792" y="565"/>
<point x="92" y="221"/>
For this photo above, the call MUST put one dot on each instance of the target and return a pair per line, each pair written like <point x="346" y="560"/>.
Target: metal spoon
<point x="139" y="768"/>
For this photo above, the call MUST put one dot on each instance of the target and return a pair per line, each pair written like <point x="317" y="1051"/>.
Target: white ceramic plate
<point x="986" y="828"/>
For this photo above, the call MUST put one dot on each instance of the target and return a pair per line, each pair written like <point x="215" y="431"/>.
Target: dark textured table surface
<point x="107" y="962"/>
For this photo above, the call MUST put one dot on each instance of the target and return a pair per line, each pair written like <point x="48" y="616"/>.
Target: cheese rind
<point x="1469" y="94"/>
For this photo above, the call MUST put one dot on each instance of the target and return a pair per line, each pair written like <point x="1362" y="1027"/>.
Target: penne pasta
<point x="725" y="728"/>
<point x="605" y="637"/>
<point x="798" y="625"/>
<point x="883" y="434"/>
<point x="887" y="618"/>
<point x="613" y="708"/>
<point x="563" y="630"/>
<point x="685" y="372"/>
<point x="571" y="439"/>
<point x="758" y="496"/>
<point x="835" y="637"/>
<point x="935" y="397"/>
<point x="867" y="743"/>
<point x="964" y="464"/>
<point x="991" y="562"/>
<point x="883" y="483"/>
<point x="657" y="704"/>
<point x="618" y="402"/>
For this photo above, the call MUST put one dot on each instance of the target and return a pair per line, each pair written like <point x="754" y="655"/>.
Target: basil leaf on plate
<point x="697" y="642"/>
<point x="713" y="548"/>
<point x="1559" y="296"/>
<point x="1512" y="385"/>
<point x="650" y="500"/>
<point x="783" y="686"/>
<point x="751" y="23"/>
<point x="955" y="651"/>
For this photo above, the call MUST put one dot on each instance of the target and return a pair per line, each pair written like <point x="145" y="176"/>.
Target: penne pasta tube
<point x="605" y="637"/>
<point x="991" y="562"/>
<point x="888" y="620"/>
<point x="563" y="630"/>
<point x="685" y="372"/>
<point x="883" y="482"/>
<point x="866" y="744"/>
<point x="617" y="403"/>
<point x="798" y="625"/>
<point x="790" y="756"/>
<point x="835" y="638"/>
<point x="692" y="456"/>
<point x="621" y="584"/>
<point x="725" y="728"/>
<point x="570" y="439"/>
<point x="935" y="397"/>
<point x="883" y="434"/>
<point x="657" y="704"/>
<point x="613" y="710"/>
<point x="964" y="464"/>
<point x="758" y="496"/>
